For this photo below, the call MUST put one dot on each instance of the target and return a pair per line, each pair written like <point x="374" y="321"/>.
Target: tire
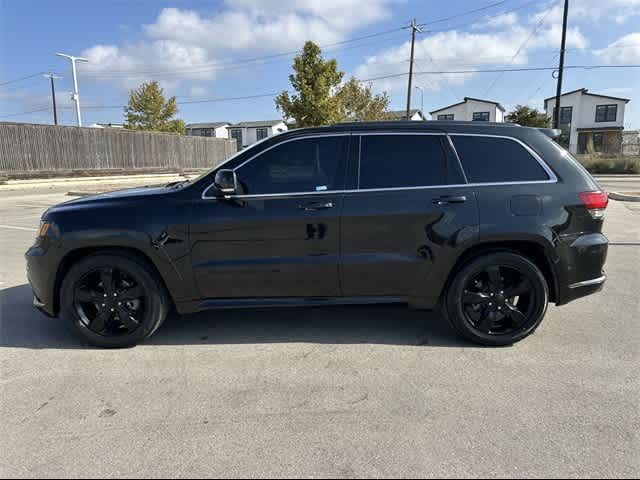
<point x="480" y="305"/>
<point x="143" y="300"/>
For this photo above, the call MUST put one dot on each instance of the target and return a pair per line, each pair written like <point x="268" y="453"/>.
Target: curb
<point x="623" y="197"/>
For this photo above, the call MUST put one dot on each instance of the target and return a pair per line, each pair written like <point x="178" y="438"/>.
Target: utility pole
<point x="75" y="96"/>
<point x="421" y="100"/>
<point x="556" y="115"/>
<point x="414" y="28"/>
<point x="53" y="77"/>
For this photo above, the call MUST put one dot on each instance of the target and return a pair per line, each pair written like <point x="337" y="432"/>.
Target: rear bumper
<point x="582" y="260"/>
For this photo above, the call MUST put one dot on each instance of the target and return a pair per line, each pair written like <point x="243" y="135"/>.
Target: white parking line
<point x="13" y="227"/>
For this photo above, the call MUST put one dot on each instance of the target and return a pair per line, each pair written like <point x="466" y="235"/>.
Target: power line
<point x="26" y="113"/>
<point x="463" y="14"/>
<point x="527" y="40"/>
<point x="224" y="65"/>
<point x="21" y="79"/>
<point x="500" y="70"/>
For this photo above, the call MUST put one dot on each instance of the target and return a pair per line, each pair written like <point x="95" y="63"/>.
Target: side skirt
<point x="227" y="303"/>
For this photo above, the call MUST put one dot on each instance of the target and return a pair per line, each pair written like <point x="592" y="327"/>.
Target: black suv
<point x="488" y="222"/>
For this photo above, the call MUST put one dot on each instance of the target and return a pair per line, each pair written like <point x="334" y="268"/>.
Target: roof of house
<point x="585" y="91"/>
<point x="466" y="99"/>
<point x="208" y="125"/>
<point x="402" y="114"/>
<point x="258" y="123"/>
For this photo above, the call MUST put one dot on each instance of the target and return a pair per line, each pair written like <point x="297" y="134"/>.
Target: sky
<point x="213" y="54"/>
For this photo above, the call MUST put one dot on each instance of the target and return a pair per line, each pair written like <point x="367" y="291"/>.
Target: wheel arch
<point x="533" y="250"/>
<point x="74" y="255"/>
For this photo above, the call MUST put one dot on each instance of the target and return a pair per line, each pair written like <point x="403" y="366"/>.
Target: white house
<point x="247" y="133"/>
<point x="471" y="109"/>
<point x="589" y="122"/>
<point x="215" y="129"/>
<point x="415" y="115"/>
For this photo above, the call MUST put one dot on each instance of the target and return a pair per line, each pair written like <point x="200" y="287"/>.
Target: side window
<point x="492" y="159"/>
<point x="309" y="165"/>
<point x="388" y="161"/>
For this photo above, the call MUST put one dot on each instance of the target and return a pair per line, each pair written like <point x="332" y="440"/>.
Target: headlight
<point x="44" y="228"/>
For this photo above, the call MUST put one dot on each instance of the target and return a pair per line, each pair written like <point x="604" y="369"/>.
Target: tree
<point x="529" y="117"/>
<point x="357" y="102"/>
<point x="148" y="110"/>
<point x="316" y="81"/>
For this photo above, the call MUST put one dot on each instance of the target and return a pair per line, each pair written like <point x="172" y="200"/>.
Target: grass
<point x="610" y="164"/>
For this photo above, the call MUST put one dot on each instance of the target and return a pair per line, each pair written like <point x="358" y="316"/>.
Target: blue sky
<point x="199" y="50"/>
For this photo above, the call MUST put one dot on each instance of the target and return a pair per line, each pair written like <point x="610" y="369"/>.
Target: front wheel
<point x="113" y="300"/>
<point x="497" y="299"/>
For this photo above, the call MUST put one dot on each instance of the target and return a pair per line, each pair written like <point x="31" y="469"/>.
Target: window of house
<point x="236" y="133"/>
<point x="308" y="165"/>
<point x="446" y="116"/>
<point x="388" y="161"/>
<point x="606" y="113"/>
<point x="566" y="114"/>
<point x="261" y="133"/>
<point x="480" y="116"/>
<point x="598" y="141"/>
<point x="492" y="159"/>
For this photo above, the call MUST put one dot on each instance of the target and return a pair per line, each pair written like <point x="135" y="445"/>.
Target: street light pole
<point x="75" y="96"/>
<point x="53" y="77"/>
<point x="421" y="100"/>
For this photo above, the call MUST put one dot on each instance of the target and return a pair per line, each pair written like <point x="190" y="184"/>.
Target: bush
<point x="608" y="164"/>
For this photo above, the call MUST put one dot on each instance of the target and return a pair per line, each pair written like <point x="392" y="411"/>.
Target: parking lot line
<point x="14" y="227"/>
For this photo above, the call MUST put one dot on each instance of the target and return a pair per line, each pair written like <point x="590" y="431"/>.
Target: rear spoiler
<point x="553" y="133"/>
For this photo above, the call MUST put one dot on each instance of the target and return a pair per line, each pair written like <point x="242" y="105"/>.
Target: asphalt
<point x="325" y="392"/>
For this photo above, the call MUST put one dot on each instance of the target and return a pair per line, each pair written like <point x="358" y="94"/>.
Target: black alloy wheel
<point x="497" y="299"/>
<point x="114" y="299"/>
<point x="109" y="301"/>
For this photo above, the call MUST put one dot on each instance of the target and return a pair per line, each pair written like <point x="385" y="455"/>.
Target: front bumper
<point x="41" y="273"/>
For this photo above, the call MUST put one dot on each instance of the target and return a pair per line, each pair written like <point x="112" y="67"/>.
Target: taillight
<point x="595" y="203"/>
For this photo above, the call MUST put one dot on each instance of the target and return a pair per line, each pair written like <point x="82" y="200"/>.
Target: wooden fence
<point x="28" y="148"/>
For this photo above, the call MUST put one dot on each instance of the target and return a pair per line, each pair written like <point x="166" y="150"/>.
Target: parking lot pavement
<point x="324" y="392"/>
<point x="620" y="183"/>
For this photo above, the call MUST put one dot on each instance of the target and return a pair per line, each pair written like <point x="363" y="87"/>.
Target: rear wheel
<point x="497" y="299"/>
<point x="113" y="300"/>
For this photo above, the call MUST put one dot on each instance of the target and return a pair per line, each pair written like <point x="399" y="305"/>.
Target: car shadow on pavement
<point x="22" y="326"/>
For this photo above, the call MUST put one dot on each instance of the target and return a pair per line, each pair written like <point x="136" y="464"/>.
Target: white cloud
<point x="579" y="10"/>
<point x="191" y="44"/>
<point x="624" y="50"/>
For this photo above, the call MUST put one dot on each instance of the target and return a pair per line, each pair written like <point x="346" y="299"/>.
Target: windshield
<point x="232" y="157"/>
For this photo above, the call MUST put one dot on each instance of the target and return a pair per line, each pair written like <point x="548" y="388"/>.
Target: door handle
<point x="446" y="199"/>
<point x="314" y="206"/>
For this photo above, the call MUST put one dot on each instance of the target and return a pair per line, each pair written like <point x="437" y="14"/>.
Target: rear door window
<point x="392" y="161"/>
<point x="496" y="159"/>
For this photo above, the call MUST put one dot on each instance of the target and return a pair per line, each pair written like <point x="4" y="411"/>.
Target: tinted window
<point x="446" y="116"/>
<point x="388" y="161"/>
<point x="310" y="165"/>
<point x="489" y="159"/>
<point x="480" y="116"/>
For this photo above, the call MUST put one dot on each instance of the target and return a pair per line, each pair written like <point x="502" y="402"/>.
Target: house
<point x="471" y="109"/>
<point x="414" y="114"/>
<point x="247" y="133"/>
<point x="106" y="125"/>
<point x="215" y="129"/>
<point x="589" y="122"/>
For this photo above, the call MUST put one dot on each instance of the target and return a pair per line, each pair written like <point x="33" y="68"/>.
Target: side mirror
<point x="226" y="182"/>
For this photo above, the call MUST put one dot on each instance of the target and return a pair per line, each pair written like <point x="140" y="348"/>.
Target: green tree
<point x="358" y="103"/>
<point x="316" y="82"/>
<point x="148" y="110"/>
<point x="529" y="117"/>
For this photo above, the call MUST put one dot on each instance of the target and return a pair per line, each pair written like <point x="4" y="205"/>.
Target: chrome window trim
<point x="266" y="196"/>
<point x="305" y="137"/>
